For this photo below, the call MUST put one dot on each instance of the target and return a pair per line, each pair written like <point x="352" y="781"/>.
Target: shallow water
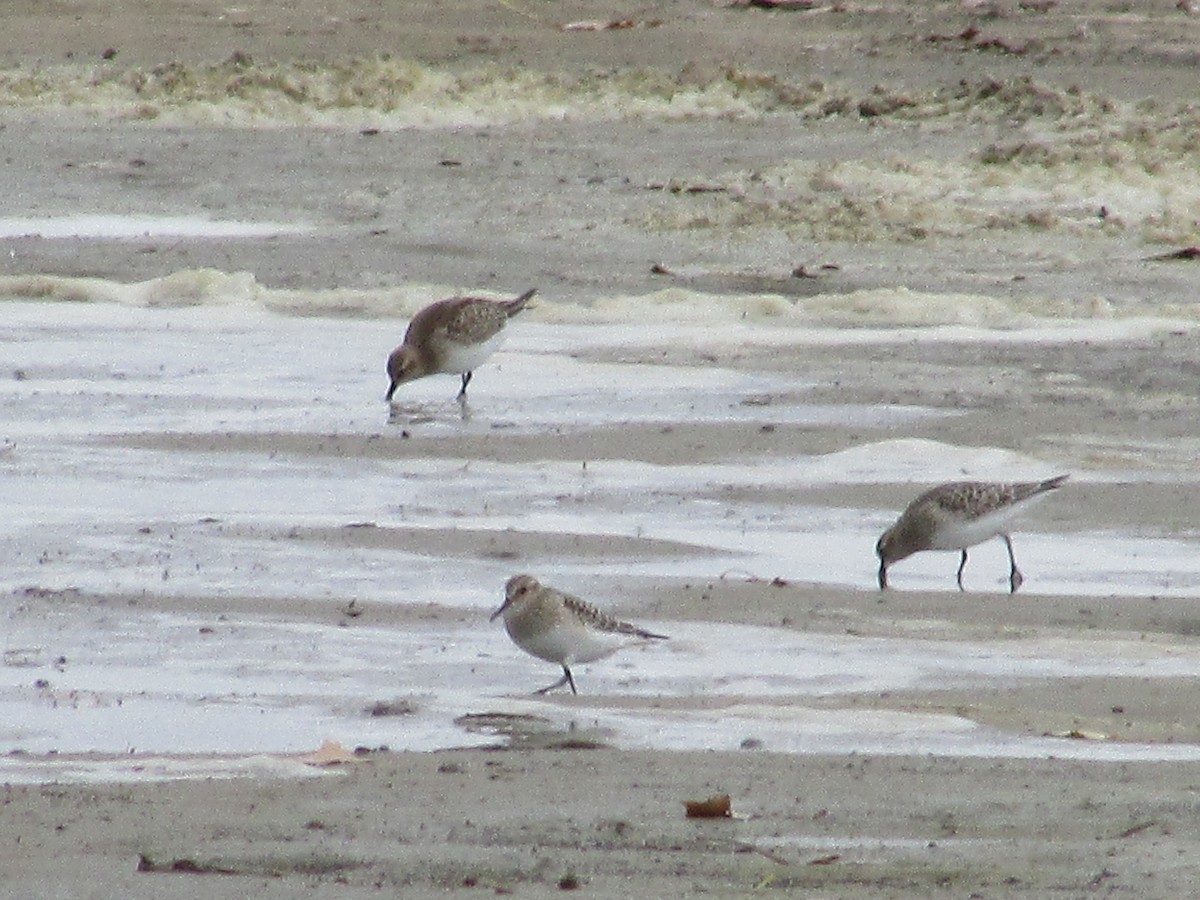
<point x="92" y="504"/>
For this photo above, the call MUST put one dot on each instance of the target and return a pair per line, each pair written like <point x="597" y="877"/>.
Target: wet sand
<point x="539" y="821"/>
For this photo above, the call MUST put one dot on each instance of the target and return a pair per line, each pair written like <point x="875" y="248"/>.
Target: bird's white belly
<point x="460" y="358"/>
<point x="959" y="535"/>
<point x="567" y="645"/>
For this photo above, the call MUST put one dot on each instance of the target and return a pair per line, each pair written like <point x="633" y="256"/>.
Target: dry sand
<point x="540" y="821"/>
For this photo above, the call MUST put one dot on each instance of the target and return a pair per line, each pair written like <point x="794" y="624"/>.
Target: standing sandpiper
<point x="451" y="336"/>
<point x="559" y="628"/>
<point x="959" y="515"/>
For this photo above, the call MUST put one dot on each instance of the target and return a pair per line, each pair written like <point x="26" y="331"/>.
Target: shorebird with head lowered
<point x="559" y="628"/>
<point x="959" y="515"/>
<point x="451" y="336"/>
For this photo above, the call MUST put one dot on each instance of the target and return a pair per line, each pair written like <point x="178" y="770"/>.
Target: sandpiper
<point x="559" y="628"/>
<point x="451" y="336"/>
<point x="959" y="515"/>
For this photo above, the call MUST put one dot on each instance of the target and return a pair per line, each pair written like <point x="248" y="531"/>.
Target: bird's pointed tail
<point x="1051" y="483"/>
<point x="512" y="307"/>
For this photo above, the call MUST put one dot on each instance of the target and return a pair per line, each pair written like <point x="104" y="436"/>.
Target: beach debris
<point x="803" y="272"/>
<point x="524" y="731"/>
<point x="716" y="807"/>
<point x="182" y="865"/>
<point x="660" y="269"/>
<point x="185" y="866"/>
<point x="784" y="5"/>
<point x="330" y="753"/>
<point x="611" y="25"/>
<point x="751" y="578"/>
<point x="1078" y="734"/>
<point x="970" y="39"/>
<point x="382" y="708"/>
<point x="1137" y="829"/>
<point x="680" y="187"/>
<point x="1186" y="253"/>
<point x="764" y="853"/>
<point x="23" y="658"/>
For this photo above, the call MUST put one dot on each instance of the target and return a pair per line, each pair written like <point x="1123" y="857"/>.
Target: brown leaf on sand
<point x="718" y="807"/>
<point x="330" y="753"/>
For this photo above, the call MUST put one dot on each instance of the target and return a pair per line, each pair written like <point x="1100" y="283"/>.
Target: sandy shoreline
<point x="577" y="208"/>
<point x="529" y="823"/>
<point x="576" y="205"/>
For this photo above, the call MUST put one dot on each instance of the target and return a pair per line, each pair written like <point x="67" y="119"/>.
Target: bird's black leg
<point x="466" y="379"/>
<point x="566" y="679"/>
<point x="1015" y="578"/>
<point x="962" y="565"/>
